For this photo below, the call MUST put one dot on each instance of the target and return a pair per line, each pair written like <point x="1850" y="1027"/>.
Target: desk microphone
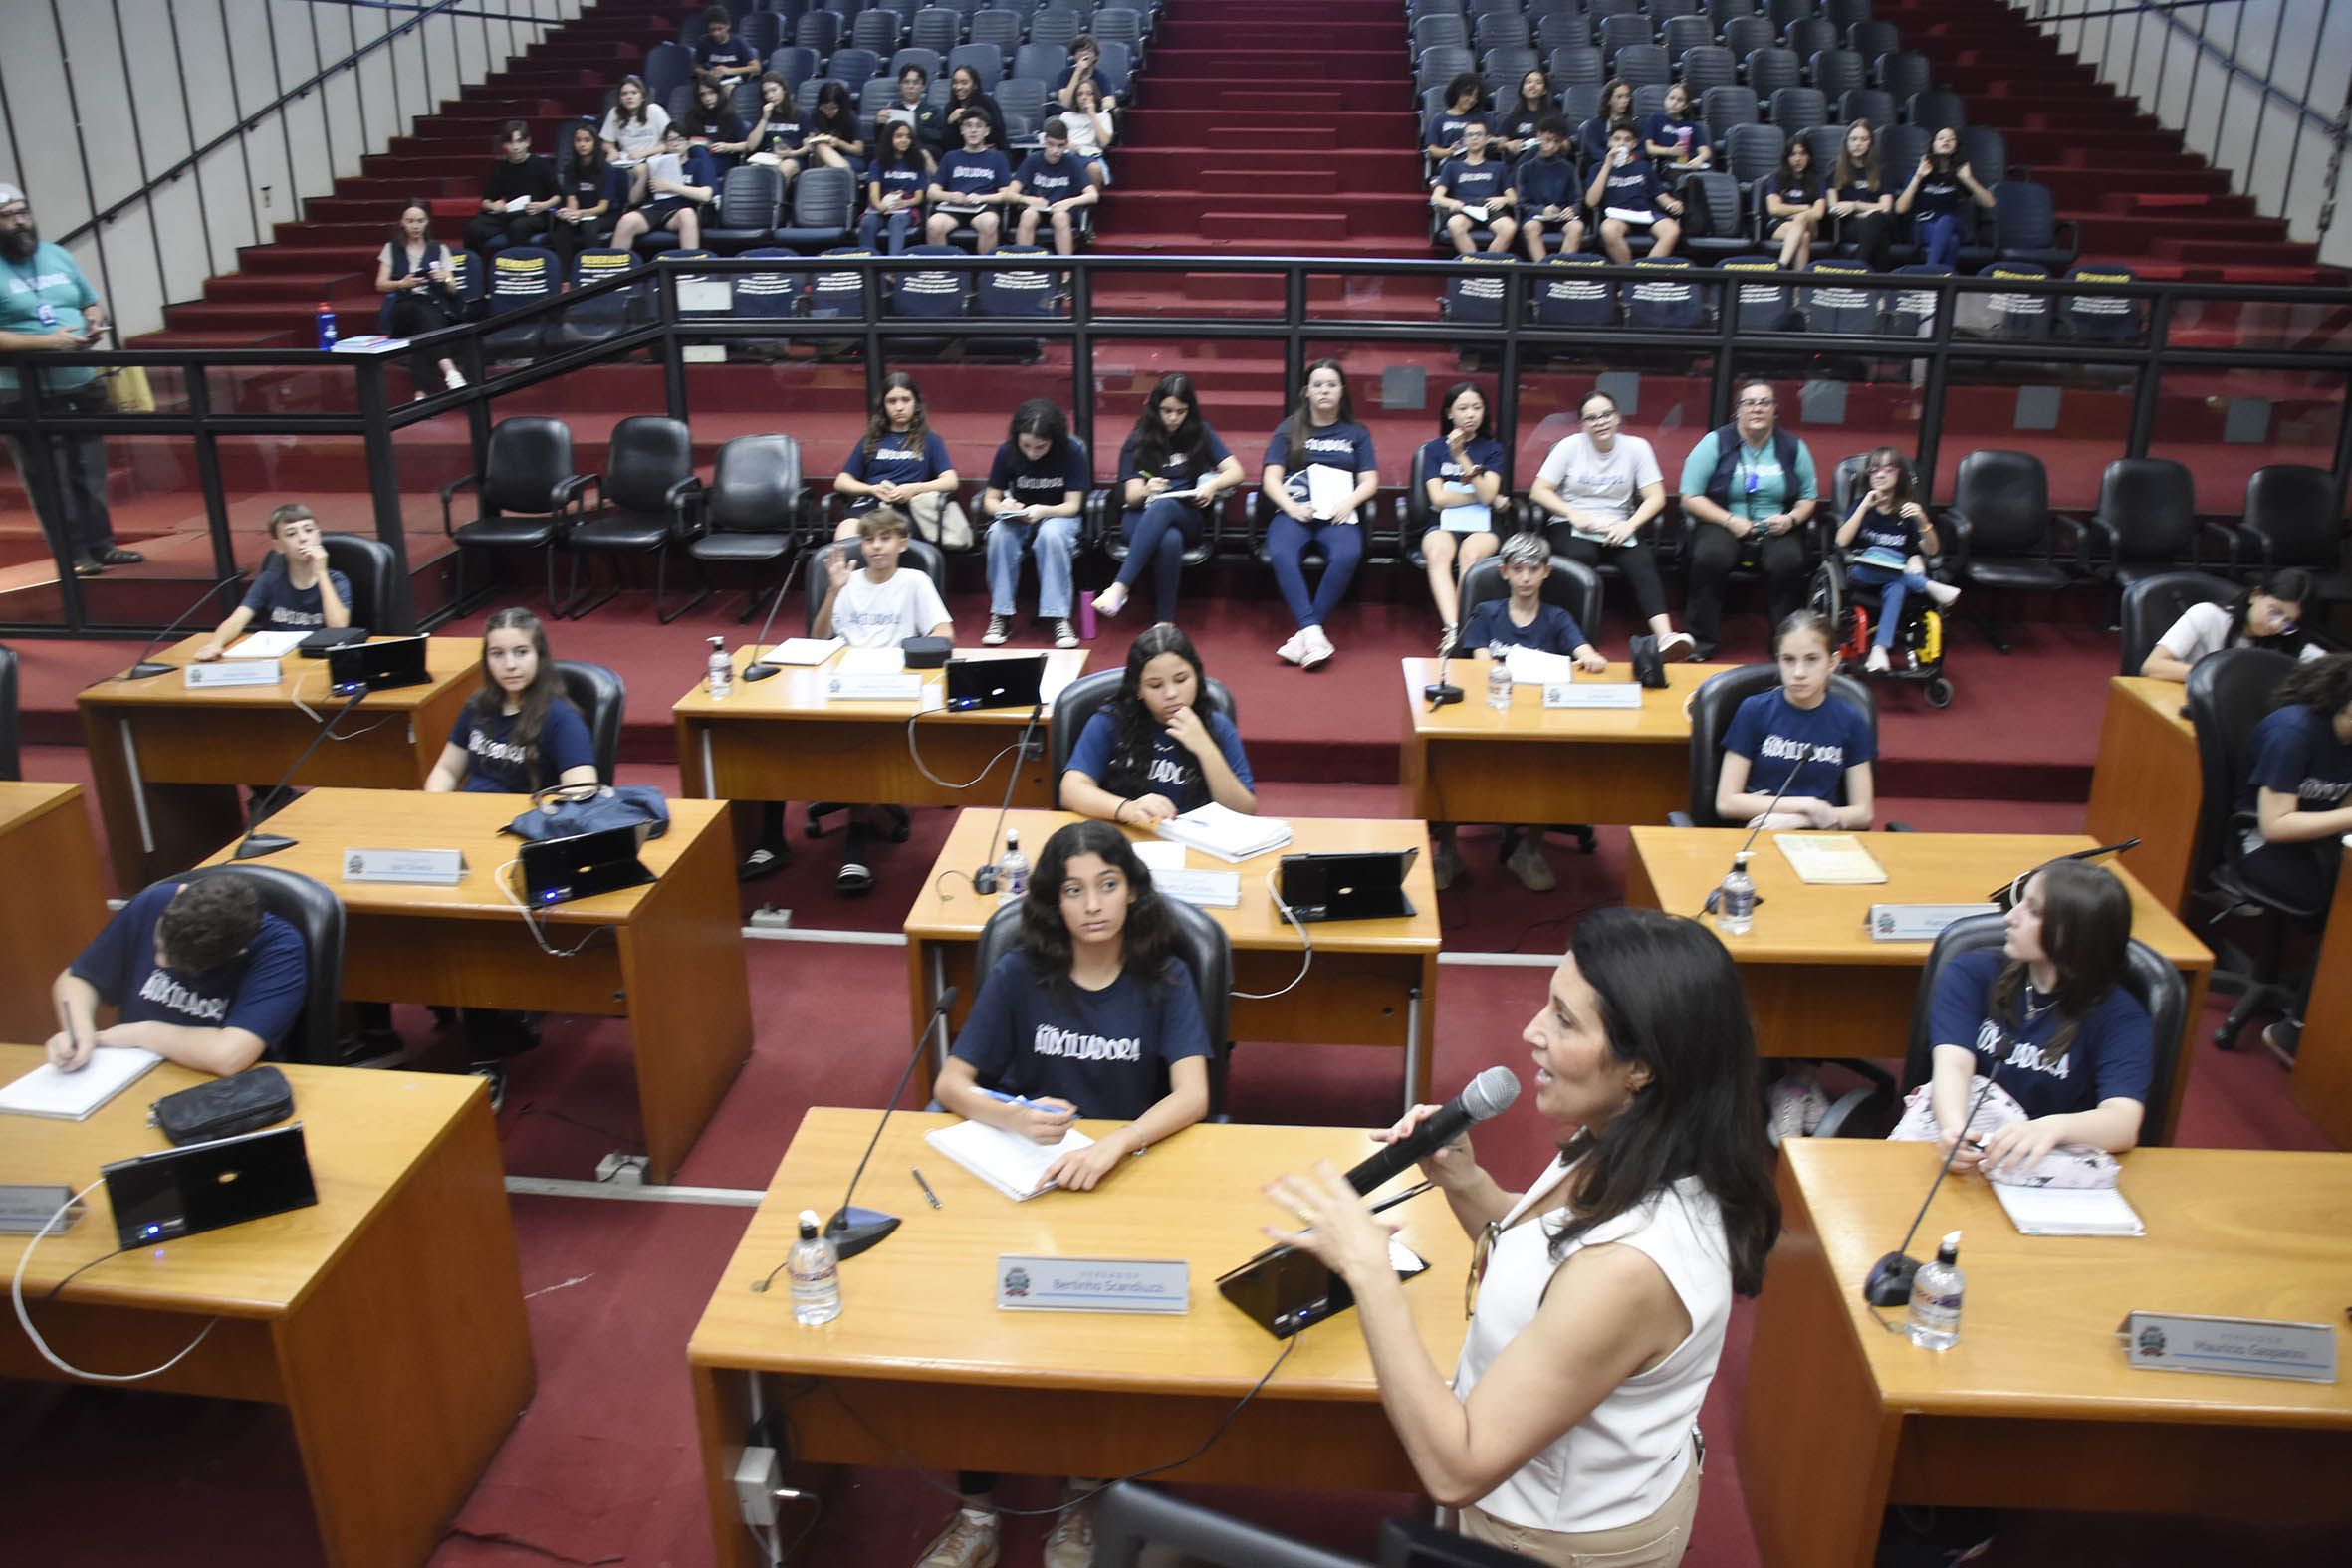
<point x="983" y="881"/>
<point x="1488" y="1094"/>
<point x="145" y="667"/>
<point x="1442" y="690"/>
<point x="854" y="1230"/>
<point x="759" y="669"/>
<point x="1804" y="754"/>
<point x="256" y="844"/>
<point x="1889" y="1280"/>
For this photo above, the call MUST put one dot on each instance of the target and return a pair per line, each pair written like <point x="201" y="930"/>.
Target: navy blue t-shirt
<point x="1102" y="1050"/>
<point x="1335" y="445"/>
<point x="1660" y="132"/>
<point x="587" y="189"/>
<point x="895" y="460"/>
<point x="1475" y="183"/>
<point x="2112" y="1057"/>
<point x="966" y="176"/>
<point x="1177" y="470"/>
<point x="1040" y="176"/>
<point x="1940" y="196"/>
<point x="1769" y="729"/>
<point x="1553" y="630"/>
<point x="1631" y="187"/>
<point x="733" y="55"/>
<point x="496" y="766"/>
<point x="903" y="179"/>
<point x="260" y="991"/>
<point x="1173" y="772"/>
<point x="1545" y="183"/>
<point x="2295" y="751"/>
<point x="1444" y="129"/>
<point x="1046" y="482"/>
<point x="783" y="133"/>
<point x="1437" y="462"/>
<point x="1886" y="533"/>
<point x="278" y="605"/>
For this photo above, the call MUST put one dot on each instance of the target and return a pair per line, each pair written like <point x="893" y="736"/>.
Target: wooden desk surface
<point x="450" y="661"/>
<point x="947" y="908"/>
<point x="363" y="1131"/>
<point x="2230" y="1233"/>
<point x="44" y="844"/>
<point x="329" y="822"/>
<point x="922" y="1305"/>
<point x="24" y="801"/>
<point x="1797" y="922"/>
<point x="2163" y="699"/>
<point x="1661" y="717"/>
<point x="798" y="692"/>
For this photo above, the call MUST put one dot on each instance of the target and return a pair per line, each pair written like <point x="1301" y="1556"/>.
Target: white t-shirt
<point x="2199" y="632"/>
<point x="870" y="614"/>
<point x="1082" y="140"/>
<point x="1607" y="484"/>
<point x="635" y="137"/>
<point x="1620" y="1464"/>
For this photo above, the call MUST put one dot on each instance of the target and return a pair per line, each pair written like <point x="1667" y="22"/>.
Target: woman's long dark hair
<point x="587" y="165"/>
<point x="645" y="101"/>
<point x="1041" y="417"/>
<point x="1903" y="488"/>
<point x="2325" y="684"/>
<point x="1135" y="732"/>
<point x="836" y="111"/>
<point x="1809" y="179"/>
<point x="730" y="128"/>
<point x="2292" y="584"/>
<point x="531" y="709"/>
<point x="2086" y="929"/>
<point x="1147" y="943"/>
<point x="1445" y="411"/>
<point x="1302" y="420"/>
<point x="1670" y="1000"/>
<point x="887" y="155"/>
<point x="1155" y="443"/>
<point x="877" y="427"/>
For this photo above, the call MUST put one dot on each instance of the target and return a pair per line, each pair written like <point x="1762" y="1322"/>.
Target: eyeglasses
<point x="1759" y="402"/>
<point x="1480" y="1255"/>
<point x="1601" y="418"/>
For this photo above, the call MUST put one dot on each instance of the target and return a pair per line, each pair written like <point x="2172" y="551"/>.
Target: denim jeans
<point x="1052" y="539"/>
<point x="1898" y="585"/>
<point x="1157" y="537"/>
<point x="869" y="228"/>
<point x="1286" y="539"/>
<point x="1940" y="235"/>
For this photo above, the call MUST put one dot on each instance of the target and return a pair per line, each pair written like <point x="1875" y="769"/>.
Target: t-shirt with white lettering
<point x="260" y="991"/>
<point x="278" y="605"/>
<point x="870" y="614"/>
<point x="1340" y="445"/>
<point x="1173" y="770"/>
<point x="1105" y="1051"/>
<point x="896" y="459"/>
<point x="2203" y="628"/>
<point x="2295" y="751"/>
<point x="1602" y="483"/>
<point x="496" y="765"/>
<point x="1054" y="180"/>
<point x="2112" y="1057"/>
<point x="1437" y="462"/>
<point x="1769" y="729"/>
<point x="1040" y="481"/>
<point x="1474" y="184"/>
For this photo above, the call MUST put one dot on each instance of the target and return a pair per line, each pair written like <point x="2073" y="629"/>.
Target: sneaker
<point x="115" y="556"/>
<point x="1943" y="594"/>
<point x="1318" y="649"/>
<point x="451" y="381"/>
<point x="969" y="1541"/>
<point x="1294" y="651"/>
<point x="1110" y="600"/>
<point x="1064" y="634"/>
<point x="1070" y="1543"/>
<point x="1445" y="864"/>
<point x="1676" y="647"/>
<point x="763" y="861"/>
<point x="1526" y="862"/>
<point x="496" y="1075"/>
<point x="1791" y="1108"/>
<point x="996" y="631"/>
<point x="1878" y="663"/>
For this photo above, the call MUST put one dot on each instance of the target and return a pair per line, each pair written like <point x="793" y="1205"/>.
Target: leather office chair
<point x="11" y="761"/>
<point x="2003" y="534"/>
<point x="379" y="594"/>
<point x="2292" y="520"/>
<point x="753" y="511"/>
<point x="529" y="493"/>
<point x="640" y="507"/>
<point x="1084" y="697"/>
<point x="1712" y="706"/>
<point x="310" y="908"/>
<point x="602" y="699"/>
<point x="2153" y="603"/>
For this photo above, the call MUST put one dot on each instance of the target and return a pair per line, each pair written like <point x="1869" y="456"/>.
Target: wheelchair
<point x="1918" y="653"/>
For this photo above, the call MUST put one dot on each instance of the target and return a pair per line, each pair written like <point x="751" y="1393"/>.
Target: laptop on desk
<point x="376" y="666"/>
<point x="559" y="870"/>
<point x="205" y="1185"/>
<point x="1352" y="885"/>
<point x="1017" y="682"/>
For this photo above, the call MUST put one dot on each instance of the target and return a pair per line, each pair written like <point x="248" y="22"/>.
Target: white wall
<point x="98" y="98"/>
<point x="2272" y="151"/>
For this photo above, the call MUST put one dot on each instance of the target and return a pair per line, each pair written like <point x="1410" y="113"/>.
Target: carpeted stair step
<point x="265" y="287"/>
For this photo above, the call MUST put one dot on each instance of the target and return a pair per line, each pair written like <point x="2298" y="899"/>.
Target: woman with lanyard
<point x="1598" y="1297"/>
<point x="1748" y="488"/>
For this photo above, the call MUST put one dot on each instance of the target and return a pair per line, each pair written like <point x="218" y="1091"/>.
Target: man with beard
<point x="40" y="288"/>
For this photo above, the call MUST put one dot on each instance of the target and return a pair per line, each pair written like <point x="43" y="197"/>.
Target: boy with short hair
<point x="1628" y="196"/>
<point x="1545" y="180"/>
<point x="1052" y="184"/>
<point x="1475" y="180"/>
<point x="972" y="183"/>
<point x="304" y="596"/>
<point x="721" y="53"/>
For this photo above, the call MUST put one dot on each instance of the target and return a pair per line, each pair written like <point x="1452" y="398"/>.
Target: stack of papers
<point x="806" y="650"/>
<point x="1201" y="889"/>
<point x="1534" y="667"/>
<point x="1012" y="1165"/>
<point x="1829" y="858"/>
<point x="72" y="1096"/>
<point x="2068" y="1210"/>
<point x="265" y="645"/>
<point x="1229" y="835"/>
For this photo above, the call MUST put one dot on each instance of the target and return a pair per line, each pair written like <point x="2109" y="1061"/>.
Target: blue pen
<point x="1015" y="1099"/>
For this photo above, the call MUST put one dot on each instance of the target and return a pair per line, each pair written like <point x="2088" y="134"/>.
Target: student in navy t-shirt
<point x="1462" y="482"/>
<point x="1616" y="106"/>
<point x="1174" y="471"/>
<point x="1674" y="137"/>
<point x="295" y="592"/>
<point x="1053" y="184"/>
<point x="196" y="972"/>
<point x="1628" y="196"/>
<point x="1152" y="752"/>
<point x="721" y="53"/>
<point x="1545" y="180"/>
<point x="1938" y="199"/>
<point x="1800" y="718"/>
<point x="1441" y="137"/>
<point x="972" y="186"/>
<point x="898" y="461"/>
<point x="894" y="186"/>
<point x="2062" y="1038"/>
<point x="2298" y="789"/>
<point x="778" y="132"/>
<point x="1475" y="179"/>
<point x="1037" y="487"/>
<point x="1320" y="473"/>
<point x="1886" y="538"/>
<point x="519" y="734"/>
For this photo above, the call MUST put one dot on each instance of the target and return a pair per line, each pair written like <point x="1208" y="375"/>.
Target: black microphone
<point x="1889" y="1282"/>
<point x="144" y="667"/>
<point x="760" y="669"/>
<point x="983" y="881"/>
<point x="256" y="844"/>
<point x="1804" y="754"/>
<point x="854" y="1230"/>
<point x="1487" y="1094"/>
<point x="1443" y="689"/>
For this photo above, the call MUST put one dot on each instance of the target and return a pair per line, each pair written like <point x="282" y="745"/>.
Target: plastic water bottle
<point x="722" y="669"/>
<point x="325" y="325"/>
<point x="1936" y="1292"/>
<point x="1737" y="910"/>
<point x="1011" y="868"/>
<point x="1499" y="677"/>
<point x="814" y="1270"/>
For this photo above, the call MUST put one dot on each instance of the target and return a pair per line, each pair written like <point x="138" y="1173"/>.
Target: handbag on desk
<point x="569" y="810"/>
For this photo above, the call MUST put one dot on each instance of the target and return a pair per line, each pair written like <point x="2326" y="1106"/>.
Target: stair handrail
<point x="2051" y="11"/>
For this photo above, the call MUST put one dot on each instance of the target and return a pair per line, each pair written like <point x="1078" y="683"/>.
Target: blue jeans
<point x="1286" y="539"/>
<point x="1897" y="585"/>
<point x="1052" y="539"/>
<point x="1157" y="537"/>
<point x="1940" y="235"/>
<point x="869" y="228"/>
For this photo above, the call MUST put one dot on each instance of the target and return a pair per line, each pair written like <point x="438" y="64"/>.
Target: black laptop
<point x="376" y="666"/>
<point x="1018" y="682"/>
<point x="558" y="870"/>
<point x="205" y="1185"/>
<point x="1357" y="885"/>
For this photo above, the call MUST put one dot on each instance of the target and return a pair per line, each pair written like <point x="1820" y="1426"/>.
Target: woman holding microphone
<point x="1599" y="1295"/>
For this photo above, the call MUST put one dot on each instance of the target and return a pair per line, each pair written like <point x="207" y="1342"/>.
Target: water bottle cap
<point x="809" y="1225"/>
<point x="1011" y="838"/>
<point x="1949" y="1252"/>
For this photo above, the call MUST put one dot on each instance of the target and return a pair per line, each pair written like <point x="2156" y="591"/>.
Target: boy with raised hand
<point x="306" y="596"/>
<point x="1476" y="182"/>
<point x="972" y="181"/>
<point x="1052" y="184"/>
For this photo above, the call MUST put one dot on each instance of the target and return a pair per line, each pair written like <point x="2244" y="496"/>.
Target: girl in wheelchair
<point x="1888" y="536"/>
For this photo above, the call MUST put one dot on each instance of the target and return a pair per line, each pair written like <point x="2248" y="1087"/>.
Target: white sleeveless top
<point x="1617" y="1466"/>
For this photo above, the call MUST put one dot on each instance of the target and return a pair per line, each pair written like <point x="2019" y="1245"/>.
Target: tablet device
<point x="996" y="683"/>
<point x="1284" y="1290"/>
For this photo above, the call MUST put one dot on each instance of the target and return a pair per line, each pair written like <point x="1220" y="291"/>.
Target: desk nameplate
<point x="1029" y="1283"/>
<point x="2241" y="1347"/>
<point x="411" y="867"/>
<point x="233" y="672"/>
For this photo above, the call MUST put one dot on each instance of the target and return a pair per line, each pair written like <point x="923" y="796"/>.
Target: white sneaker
<point x="1526" y="862"/>
<point x="996" y="631"/>
<point x="1790" y="1108"/>
<point x="1294" y="650"/>
<point x="1445" y="864"/>
<point x="1877" y="663"/>
<point x="1674" y="647"/>
<point x="969" y="1541"/>
<point x="1064" y="634"/>
<point x="1070" y="1543"/>
<point x="451" y="381"/>
<point x="1319" y="648"/>
<point x="1943" y="594"/>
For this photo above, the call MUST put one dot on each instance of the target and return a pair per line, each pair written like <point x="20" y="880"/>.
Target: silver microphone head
<point x="1489" y="1094"/>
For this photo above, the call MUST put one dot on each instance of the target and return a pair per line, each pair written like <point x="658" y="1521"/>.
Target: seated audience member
<point x="2267" y="615"/>
<point x="1888" y="538"/>
<point x="1795" y="207"/>
<point x="1746" y="491"/>
<point x="1938" y="198"/>
<point x="833" y="137"/>
<point x="1800" y="718"/>
<point x="1092" y="125"/>
<point x="900" y="462"/>
<point x="519" y="175"/>
<point x="1153" y="751"/>
<point x="776" y="134"/>
<point x="1514" y="127"/>
<point x="973" y="184"/>
<point x="914" y="108"/>
<point x="1441" y="138"/>
<point x="901" y="173"/>
<point x="669" y="192"/>
<point x="196" y="972"/>
<point x="1859" y="199"/>
<point x="1546" y="181"/>
<point x="711" y="123"/>
<point x="721" y="53"/>
<point x="1085" y="55"/>
<point x="1598" y="490"/>
<point x="1461" y="477"/>
<point x="2297" y="783"/>
<point x="1174" y="469"/>
<point x="303" y="595"/>
<point x="1476" y="182"/>
<point x="1593" y="138"/>
<point x="1630" y="198"/>
<point x="1036" y="485"/>
<point x="1053" y="184"/>
<point x="1320" y="473"/>
<point x="592" y="192"/>
<point x="965" y="98"/>
<point x="635" y="124"/>
<point x="1674" y="138"/>
<point x="417" y="278"/>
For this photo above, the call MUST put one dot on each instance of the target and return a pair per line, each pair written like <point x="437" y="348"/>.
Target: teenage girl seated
<point x="302" y="597"/>
<point x="2265" y="615"/>
<point x="1763" y="745"/>
<point x="2297" y="780"/>
<point x="1462" y="474"/>
<point x="1152" y="752"/>
<point x="1174" y="469"/>
<point x="1890" y="538"/>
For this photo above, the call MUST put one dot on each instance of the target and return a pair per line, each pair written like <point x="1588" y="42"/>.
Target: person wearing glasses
<point x="1747" y="490"/>
<point x="2267" y="615"/>
<point x="1888" y="539"/>
<point x="1598" y="489"/>
<point x="1598" y="1297"/>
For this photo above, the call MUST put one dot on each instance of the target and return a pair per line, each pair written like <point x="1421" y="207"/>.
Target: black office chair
<point x="11" y="761"/>
<point x="640" y="506"/>
<point x="310" y="908"/>
<point x="529" y="493"/>
<point x="1420" y="516"/>
<point x="1084" y="697"/>
<point x="602" y="699"/>
<point x="1106" y="525"/>
<point x="379" y="593"/>
<point x="2292" y="519"/>
<point x="2151" y="604"/>
<point x="752" y="513"/>
<point x="2148" y="976"/>
<point x="2146" y="519"/>
<point x="2003" y="534"/>
<point x="1712" y="706"/>
<point x="1200" y="942"/>
<point x="1129" y="1517"/>
<point x="1574" y="588"/>
<point x="920" y="556"/>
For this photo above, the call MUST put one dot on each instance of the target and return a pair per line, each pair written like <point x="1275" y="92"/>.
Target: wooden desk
<point x="674" y="969"/>
<point x="1469" y="763"/>
<point x="937" y="1376"/>
<point x="1372" y="982"/>
<point x="1817" y="985"/>
<point x="2323" y="1081"/>
<point x="49" y="861"/>
<point x="2147" y="784"/>
<point x="2035" y="1406"/>
<point x="167" y="759"/>
<point x="781" y="740"/>
<point x="387" y="1319"/>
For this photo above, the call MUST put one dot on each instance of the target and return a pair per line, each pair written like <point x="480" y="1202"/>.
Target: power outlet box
<point x="758" y="1477"/>
<point x="622" y="1170"/>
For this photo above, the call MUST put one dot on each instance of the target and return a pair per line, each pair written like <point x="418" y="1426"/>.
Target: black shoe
<point x="496" y="1076"/>
<point x="856" y="876"/>
<point x="115" y="556"/>
<point x="2282" y="1038"/>
<point x="84" y="567"/>
<point x="765" y="861"/>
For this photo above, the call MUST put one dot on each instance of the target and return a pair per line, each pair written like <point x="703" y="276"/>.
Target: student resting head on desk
<point x="1093" y="1015"/>
<point x="1766" y="736"/>
<point x="2295" y="789"/>
<point x="198" y="974"/>
<point x="1153" y="751"/>
<point x="298" y="592"/>
<point x="2265" y="615"/>
<point x="1598" y="1297"/>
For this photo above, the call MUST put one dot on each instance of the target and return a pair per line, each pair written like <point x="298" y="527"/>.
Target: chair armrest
<point x="449" y="493"/>
<point x="2079" y="529"/>
<point x="2074" y="238"/>
<point x="2084" y="530"/>
<point x="1961" y="536"/>
<point x="2222" y="534"/>
<point x="1094" y="523"/>
<point x="684" y="500"/>
<point x="2263" y="550"/>
<point x="566" y="496"/>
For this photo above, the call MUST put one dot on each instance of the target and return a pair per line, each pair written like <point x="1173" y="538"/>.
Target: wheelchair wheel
<point x="1939" y="693"/>
<point x="1827" y="592"/>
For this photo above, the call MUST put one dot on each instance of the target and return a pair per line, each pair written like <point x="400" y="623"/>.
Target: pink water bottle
<point x="1086" y="617"/>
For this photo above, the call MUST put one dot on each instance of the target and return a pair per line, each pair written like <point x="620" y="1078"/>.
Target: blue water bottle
<point x="325" y="325"/>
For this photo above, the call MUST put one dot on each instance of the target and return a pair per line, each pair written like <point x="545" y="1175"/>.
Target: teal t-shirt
<point x="1772" y="491"/>
<point x="48" y="283"/>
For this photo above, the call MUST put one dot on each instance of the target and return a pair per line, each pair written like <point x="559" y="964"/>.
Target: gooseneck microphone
<point x="854" y="1230"/>
<point x="759" y="669"/>
<point x="1488" y="1094"/>
<point x="256" y="843"/>
<point x="1889" y="1280"/>
<point x="146" y="667"/>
